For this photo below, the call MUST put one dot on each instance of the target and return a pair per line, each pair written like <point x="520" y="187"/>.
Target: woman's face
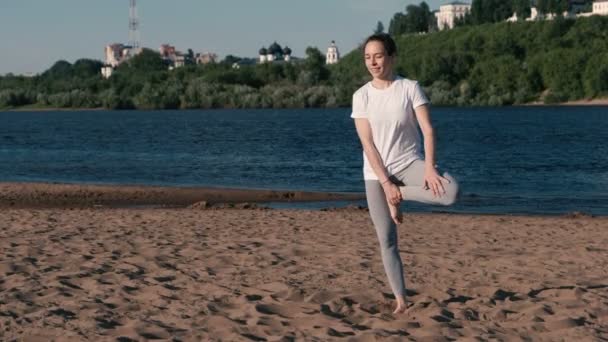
<point x="378" y="63"/>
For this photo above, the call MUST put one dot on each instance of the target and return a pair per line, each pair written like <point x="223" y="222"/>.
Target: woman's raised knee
<point x="451" y="191"/>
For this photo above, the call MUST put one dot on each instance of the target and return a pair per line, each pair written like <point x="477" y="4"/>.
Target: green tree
<point x="146" y="61"/>
<point x="522" y="8"/>
<point x="379" y="28"/>
<point x="314" y="67"/>
<point x="595" y="77"/>
<point x="84" y="68"/>
<point x="231" y="59"/>
<point x="397" y="25"/>
<point x="490" y="11"/>
<point x="418" y="18"/>
<point x="543" y="6"/>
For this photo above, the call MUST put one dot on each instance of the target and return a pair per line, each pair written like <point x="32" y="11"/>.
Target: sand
<point x="57" y="195"/>
<point x="111" y="274"/>
<point x="593" y="102"/>
<point x="602" y="101"/>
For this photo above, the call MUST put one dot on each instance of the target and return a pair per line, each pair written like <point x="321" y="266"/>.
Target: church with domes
<point x="274" y="53"/>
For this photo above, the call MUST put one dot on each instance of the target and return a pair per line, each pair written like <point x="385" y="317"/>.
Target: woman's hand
<point x="393" y="195"/>
<point x="434" y="182"/>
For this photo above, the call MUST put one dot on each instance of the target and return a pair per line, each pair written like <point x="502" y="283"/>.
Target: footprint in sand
<point x="164" y="279"/>
<point x="273" y="309"/>
<point x="565" y="323"/>
<point x="107" y="323"/>
<point x="321" y="297"/>
<point x="125" y="339"/>
<point x="129" y="289"/>
<point x="336" y="333"/>
<point x="253" y="297"/>
<point x="66" y="314"/>
<point x="326" y="310"/>
<point x="152" y="333"/>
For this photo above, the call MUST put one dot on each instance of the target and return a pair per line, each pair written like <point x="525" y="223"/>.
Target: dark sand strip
<point x="47" y="195"/>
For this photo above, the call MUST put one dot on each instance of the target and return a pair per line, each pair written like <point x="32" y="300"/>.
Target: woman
<point x="387" y="111"/>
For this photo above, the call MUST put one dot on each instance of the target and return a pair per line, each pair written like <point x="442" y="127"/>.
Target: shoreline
<point x="65" y="195"/>
<point x="55" y="195"/>
<point x="582" y="103"/>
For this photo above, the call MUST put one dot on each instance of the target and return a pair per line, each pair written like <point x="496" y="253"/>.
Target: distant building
<point x="274" y="53"/>
<point x="171" y="56"/>
<point x="575" y="10"/>
<point x="287" y="54"/>
<point x="167" y="51"/>
<point x="116" y="54"/>
<point x="263" y="52"/>
<point x="106" y="71"/>
<point x="512" y="18"/>
<point x="333" y="55"/>
<point x="177" y="59"/>
<point x="206" y="58"/>
<point x="533" y="14"/>
<point x="448" y="13"/>
<point x="600" y="7"/>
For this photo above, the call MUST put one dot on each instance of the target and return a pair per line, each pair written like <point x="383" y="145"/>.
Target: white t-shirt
<point x="393" y="122"/>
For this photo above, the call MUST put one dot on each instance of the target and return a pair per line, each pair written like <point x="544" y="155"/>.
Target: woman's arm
<point x="364" y="131"/>
<point x="431" y="177"/>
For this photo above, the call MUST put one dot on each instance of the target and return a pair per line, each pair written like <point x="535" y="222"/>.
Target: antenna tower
<point x="133" y="25"/>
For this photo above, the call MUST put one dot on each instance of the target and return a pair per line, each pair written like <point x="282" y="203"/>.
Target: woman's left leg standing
<point x="387" y="235"/>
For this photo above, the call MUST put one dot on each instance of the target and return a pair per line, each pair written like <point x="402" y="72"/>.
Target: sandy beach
<point x="211" y="273"/>
<point x="602" y="101"/>
<point x="51" y="195"/>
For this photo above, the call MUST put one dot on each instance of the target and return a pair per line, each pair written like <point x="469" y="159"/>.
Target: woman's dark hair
<point x="389" y="44"/>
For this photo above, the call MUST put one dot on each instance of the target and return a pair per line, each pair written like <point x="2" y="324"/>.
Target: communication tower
<point x="133" y="25"/>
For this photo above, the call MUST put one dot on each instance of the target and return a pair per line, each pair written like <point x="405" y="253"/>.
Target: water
<point x="542" y="160"/>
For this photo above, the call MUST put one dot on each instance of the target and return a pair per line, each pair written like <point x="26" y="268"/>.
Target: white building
<point x="263" y="53"/>
<point x="287" y="54"/>
<point x="533" y="14"/>
<point x="106" y="71"/>
<point x="333" y="55"/>
<point x="116" y="54"/>
<point x="448" y="13"/>
<point x="512" y="18"/>
<point x="206" y="58"/>
<point x="600" y="7"/>
<point x="180" y="61"/>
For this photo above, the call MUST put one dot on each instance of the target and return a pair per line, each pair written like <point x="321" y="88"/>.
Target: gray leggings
<point x="411" y="184"/>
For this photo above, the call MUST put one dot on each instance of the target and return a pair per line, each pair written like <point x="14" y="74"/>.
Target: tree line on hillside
<point x="420" y="18"/>
<point x="488" y="64"/>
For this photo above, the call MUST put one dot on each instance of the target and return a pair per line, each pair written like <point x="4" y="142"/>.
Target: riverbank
<point x="49" y="109"/>
<point x="192" y="274"/>
<point x="583" y="102"/>
<point x="51" y="195"/>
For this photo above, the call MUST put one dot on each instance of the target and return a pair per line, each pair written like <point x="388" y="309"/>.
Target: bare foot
<point x="401" y="306"/>
<point x="395" y="213"/>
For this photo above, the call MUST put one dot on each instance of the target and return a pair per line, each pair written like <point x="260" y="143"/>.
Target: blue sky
<point x="36" y="33"/>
